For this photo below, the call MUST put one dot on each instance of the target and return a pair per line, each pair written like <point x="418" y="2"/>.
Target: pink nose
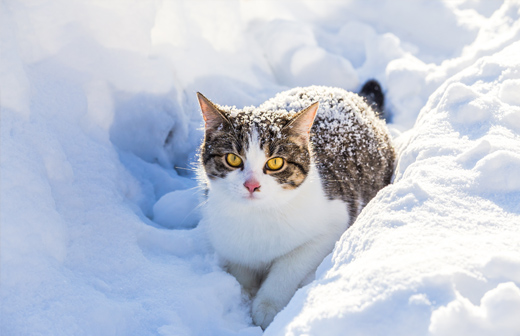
<point x="252" y="185"/>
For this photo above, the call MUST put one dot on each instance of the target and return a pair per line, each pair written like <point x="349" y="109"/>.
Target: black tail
<point x="374" y="94"/>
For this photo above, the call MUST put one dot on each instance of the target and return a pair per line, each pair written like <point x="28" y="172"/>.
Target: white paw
<point x="264" y="311"/>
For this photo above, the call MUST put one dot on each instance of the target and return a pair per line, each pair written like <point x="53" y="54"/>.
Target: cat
<point x="284" y="180"/>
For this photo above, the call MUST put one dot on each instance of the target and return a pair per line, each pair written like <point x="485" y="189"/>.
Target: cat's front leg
<point x="285" y="276"/>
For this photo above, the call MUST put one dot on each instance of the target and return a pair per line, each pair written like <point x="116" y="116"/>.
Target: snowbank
<point x="100" y="124"/>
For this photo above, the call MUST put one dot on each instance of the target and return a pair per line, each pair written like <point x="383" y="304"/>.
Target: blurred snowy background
<point x="99" y="131"/>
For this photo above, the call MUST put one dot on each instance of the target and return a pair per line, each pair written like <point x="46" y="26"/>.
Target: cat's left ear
<point x="213" y="118"/>
<point x="301" y="124"/>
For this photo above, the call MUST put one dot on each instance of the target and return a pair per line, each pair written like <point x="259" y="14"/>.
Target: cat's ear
<point x="213" y="117"/>
<point x="301" y="123"/>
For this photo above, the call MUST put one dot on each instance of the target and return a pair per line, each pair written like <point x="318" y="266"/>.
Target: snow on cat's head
<point x="255" y="158"/>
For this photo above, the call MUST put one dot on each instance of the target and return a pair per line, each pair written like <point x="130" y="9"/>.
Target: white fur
<point x="280" y="235"/>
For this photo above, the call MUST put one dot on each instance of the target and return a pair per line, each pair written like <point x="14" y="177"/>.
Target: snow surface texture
<point x="99" y="126"/>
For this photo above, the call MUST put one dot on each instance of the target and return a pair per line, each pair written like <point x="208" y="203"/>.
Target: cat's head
<point x="256" y="157"/>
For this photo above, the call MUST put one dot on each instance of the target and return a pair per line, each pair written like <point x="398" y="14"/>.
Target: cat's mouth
<point x="252" y="196"/>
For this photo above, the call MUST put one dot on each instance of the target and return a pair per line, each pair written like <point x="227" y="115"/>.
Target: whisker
<point x="194" y="209"/>
<point x="200" y="205"/>
<point x="190" y="169"/>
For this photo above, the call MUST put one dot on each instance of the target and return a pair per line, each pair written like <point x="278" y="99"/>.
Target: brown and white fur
<point x="273" y="228"/>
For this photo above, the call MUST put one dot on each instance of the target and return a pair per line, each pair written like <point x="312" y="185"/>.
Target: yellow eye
<point x="233" y="160"/>
<point x="274" y="163"/>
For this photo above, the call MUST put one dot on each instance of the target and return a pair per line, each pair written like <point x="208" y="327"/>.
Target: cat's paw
<point x="264" y="311"/>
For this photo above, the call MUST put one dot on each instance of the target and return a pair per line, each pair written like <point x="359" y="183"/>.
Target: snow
<point x="99" y="130"/>
<point x="178" y="209"/>
<point x="493" y="317"/>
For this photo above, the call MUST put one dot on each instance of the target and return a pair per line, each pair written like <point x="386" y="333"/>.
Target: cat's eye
<point x="274" y="163"/>
<point x="233" y="160"/>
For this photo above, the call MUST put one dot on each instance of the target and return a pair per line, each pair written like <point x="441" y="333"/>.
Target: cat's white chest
<point x="252" y="236"/>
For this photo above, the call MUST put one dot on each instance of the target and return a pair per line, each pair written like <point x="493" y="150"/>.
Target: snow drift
<point x="99" y="130"/>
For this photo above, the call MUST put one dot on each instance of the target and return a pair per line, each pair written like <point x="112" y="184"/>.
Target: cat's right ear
<point x="213" y="117"/>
